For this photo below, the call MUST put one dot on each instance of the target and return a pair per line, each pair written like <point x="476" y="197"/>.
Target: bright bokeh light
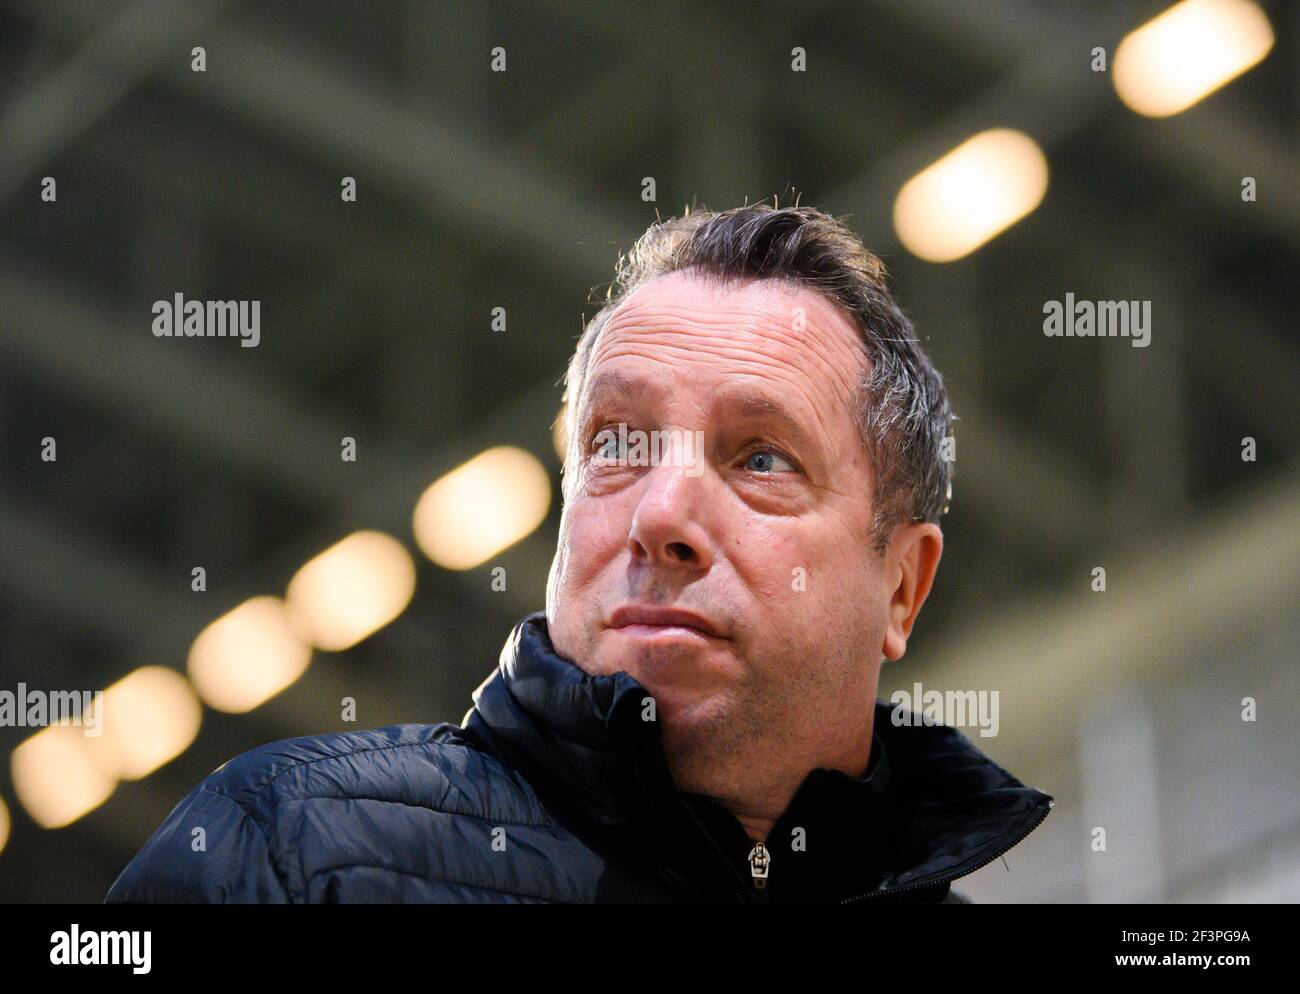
<point x="1188" y="52"/>
<point x="56" y="778"/>
<point x="979" y="189"/>
<point x="350" y="590"/>
<point x="149" y="717"/>
<point x="4" y="824"/>
<point x="482" y="507"/>
<point x="247" y="656"/>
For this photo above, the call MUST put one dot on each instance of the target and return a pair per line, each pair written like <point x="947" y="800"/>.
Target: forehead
<point x="788" y="336"/>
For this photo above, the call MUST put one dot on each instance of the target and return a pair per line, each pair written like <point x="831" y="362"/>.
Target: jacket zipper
<point x="734" y="886"/>
<point x="742" y="895"/>
<point x="760" y="860"/>
<point x="890" y="891"/>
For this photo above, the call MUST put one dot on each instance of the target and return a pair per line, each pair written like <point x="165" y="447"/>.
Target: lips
<point x="650" y="618"/>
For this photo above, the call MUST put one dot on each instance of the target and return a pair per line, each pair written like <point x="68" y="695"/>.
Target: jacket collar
<point x="930" y="808"/>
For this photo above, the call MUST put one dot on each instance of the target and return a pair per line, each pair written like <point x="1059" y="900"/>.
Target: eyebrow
<point x="609" y="385"/>
<point x="611" y="388"/>
<point x="761" y="407"/>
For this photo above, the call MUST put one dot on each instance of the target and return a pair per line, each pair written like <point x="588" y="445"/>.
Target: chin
<point x="692" y="751"/>
<point x="690" y="723"/>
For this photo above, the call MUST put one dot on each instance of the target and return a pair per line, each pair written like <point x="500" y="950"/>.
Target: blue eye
<point x="766" y="461"/>
<point x="608" y="447"/>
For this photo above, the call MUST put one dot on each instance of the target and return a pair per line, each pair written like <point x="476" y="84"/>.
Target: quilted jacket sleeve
<point x="209" y="850"/>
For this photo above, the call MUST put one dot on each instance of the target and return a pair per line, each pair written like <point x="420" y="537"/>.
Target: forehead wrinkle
<point x="787" y="351"/>
<point x="640" y="317"/>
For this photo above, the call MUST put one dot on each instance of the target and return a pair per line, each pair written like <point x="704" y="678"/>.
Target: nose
<point x="666" y="530"/>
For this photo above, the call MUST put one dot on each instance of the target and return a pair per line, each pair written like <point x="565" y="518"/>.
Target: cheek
<point x="772" y="558"/>
<point x="808" y="576"/>
<point x="586" y="546"/>
<point x="590" y="538"/>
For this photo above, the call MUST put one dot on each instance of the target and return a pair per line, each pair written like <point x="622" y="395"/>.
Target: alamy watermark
<point x="958" y="708"/>
<point x="102" y="948"/>
<point x="39" y="708"/>
<point x="1099" y="319"/>
<point x="621" y="447"/>
<point x="181" y="318"/>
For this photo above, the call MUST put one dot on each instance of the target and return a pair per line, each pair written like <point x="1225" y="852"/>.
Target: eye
<point x="606" y="446"/>
<point x="767" y="461"/>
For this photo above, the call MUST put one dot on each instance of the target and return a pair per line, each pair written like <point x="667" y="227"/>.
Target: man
<point x="693" y="718"/>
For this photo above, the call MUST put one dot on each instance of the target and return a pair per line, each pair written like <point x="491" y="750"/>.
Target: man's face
<point x="763" y="542"/>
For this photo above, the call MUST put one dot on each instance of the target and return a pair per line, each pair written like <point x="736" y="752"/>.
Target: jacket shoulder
<point x="420" y="765"/>
<point x="262" y="825"/>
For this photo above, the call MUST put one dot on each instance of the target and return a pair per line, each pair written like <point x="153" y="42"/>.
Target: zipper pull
<point x="759" y="859"/>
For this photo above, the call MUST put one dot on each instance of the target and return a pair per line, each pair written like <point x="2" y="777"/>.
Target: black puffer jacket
<point x="556" y="790"/>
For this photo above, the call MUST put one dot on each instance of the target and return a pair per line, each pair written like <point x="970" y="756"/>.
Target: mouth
<point x="663" y="624"/>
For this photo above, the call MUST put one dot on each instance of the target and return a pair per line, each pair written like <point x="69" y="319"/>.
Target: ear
<point x="911" y="562"/>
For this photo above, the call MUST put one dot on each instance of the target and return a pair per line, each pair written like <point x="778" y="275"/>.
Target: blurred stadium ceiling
<point x="518" y="189"/>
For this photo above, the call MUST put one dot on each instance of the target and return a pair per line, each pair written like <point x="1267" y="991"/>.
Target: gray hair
<point x="902" y="406"/>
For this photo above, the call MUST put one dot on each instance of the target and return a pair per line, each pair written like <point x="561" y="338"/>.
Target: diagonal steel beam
<point x="53" y="111"/>
<point x="441" y="166"/>
<point x="217" y="404"/>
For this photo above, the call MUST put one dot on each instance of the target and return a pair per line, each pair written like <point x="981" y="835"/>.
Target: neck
<point x="759" y="812"/>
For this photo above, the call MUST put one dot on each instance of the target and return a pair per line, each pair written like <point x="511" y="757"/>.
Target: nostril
<point x="681" y="550"/>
